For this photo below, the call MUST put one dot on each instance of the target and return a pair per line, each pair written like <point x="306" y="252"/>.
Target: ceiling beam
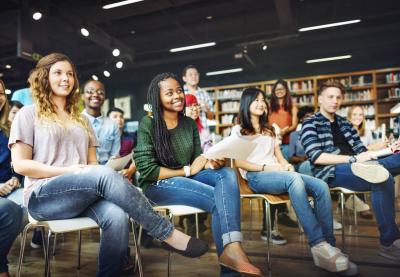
<point x="284" y="11"/>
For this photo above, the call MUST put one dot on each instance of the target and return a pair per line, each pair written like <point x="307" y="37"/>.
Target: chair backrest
<point x="246" y="190"/>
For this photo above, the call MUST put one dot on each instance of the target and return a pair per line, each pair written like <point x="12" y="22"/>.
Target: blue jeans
<point x="318" y="222"/>
<point x="11" y="217"/>
<point x="382" y="195"/>
<point x="108" y="198"/>
<point x="285" y="151"/>
<point x="215" y="191"/>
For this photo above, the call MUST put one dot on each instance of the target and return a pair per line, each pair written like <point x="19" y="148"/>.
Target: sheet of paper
<point x="232" y="147"/>
<point x="119" y="163"/>
<point x="382" y="152"/>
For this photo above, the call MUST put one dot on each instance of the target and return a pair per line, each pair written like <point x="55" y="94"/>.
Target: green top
<point x="185" y="143"/>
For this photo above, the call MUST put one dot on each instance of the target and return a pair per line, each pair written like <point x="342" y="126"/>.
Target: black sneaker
<point x="284" y="219"/>
<point x="36" y="241"/>
<point x="276" y="238"/>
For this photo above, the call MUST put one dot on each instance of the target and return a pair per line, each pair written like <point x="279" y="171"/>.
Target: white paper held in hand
<point x="232" y="147"/>
<point x="119" y="163"/>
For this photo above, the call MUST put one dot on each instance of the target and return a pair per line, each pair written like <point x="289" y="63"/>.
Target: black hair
<point x="303" y="111"/>
<point x="15" y="103"/>
<point x="248" y="96"/>
<point x="187" y="68"/>
<point x="118" y="110"/>
<point x="162" y="140"/>
<point x="287" y="102"/>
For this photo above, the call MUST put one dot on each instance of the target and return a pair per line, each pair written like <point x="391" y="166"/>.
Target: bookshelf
<point x="377" y="91"/>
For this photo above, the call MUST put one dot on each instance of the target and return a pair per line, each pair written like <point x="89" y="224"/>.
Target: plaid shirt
<point x="316" y="138"/>
<point x="204" y="100"/>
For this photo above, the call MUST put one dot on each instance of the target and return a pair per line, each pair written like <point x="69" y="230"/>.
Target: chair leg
<point x="44" y="239"/>
<point x="342" y="219"/>
<point x="47" y="257"/>
<point x="268" y="221"/>
<point x="79" y="249"/>
<point x="54" y="244"/>
<point x="251" y="219"/>
<point x="355" y="212"/>
<point x="197" y="224"/>
<point x="169" y="252"/>
<point x="138" y="259"/>
<point x="22" y="250"/>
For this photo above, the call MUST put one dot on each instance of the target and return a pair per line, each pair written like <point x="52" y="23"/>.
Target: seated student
<point x="53" y="146"/>
<point x="357" y="118"/>
<point x="297" y="156"/>
<point x="267" y="171"/>
<point x="11" y="224"/>
<point x="128" y="141"/>
<point x="106" y="130"/>
<point x="15" y="106"/>
<point x="337" y="156"/>
<point x="10" y="182"/>
<point x="173" y="171"/>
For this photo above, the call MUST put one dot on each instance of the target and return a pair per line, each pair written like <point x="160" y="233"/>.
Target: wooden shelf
<point x="301" y="92"/>
<point x="360" y="102"/>
<point x="387" y="115"/>
<point x="388" y="85"/>
<point x="354" y="87"/>
<point x="229" y="99"/>
<point x="388" y="100"/>
<point x="228" y="112"/>
<point x="226" y="125"/>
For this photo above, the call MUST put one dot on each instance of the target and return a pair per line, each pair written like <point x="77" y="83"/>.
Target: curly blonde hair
<point x="5" y="125"/>
<point x="41" y="92"/>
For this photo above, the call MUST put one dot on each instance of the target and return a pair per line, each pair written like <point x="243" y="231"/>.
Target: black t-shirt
<point x="340" y="141"/>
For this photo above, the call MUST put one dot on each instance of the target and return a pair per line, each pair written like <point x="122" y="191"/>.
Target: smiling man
<point x="106" y="130"/>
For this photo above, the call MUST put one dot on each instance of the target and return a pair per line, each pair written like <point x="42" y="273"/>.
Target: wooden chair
<point x="268" y="199"/>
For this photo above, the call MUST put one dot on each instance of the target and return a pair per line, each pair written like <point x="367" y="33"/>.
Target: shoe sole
<point x="371" y="173"/>
<point x="387" y="256"/>
<point x="337" y="267"/>
<point x="35" y="246"/>
<point x="241" y="272"/>
<point x="275" y="242"/>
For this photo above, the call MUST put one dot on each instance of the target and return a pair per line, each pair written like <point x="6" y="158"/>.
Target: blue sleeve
<point x="310" y="141"/>
<point x="116" y="143"/>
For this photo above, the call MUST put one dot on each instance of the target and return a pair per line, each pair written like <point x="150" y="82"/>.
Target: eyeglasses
<point x="193" y="107"/>
<point x="93" y="91"/>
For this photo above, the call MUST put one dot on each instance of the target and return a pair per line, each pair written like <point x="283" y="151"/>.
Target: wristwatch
<point x="186" y="169"/>
<point x="352" y="159"/>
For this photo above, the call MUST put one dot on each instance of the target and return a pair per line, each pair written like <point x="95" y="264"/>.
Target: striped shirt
<point x="316" y="138"/>
<point x="204" y="99"/>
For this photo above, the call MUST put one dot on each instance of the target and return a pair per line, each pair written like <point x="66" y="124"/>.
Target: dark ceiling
<point x="145" y="31"/>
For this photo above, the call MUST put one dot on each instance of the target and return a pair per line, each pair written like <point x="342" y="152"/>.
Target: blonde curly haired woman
<point x="54" y="147"/>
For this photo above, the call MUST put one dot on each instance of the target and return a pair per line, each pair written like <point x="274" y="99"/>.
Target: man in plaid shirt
<point x="191" y="77"/>
<point x="339" y="157"/>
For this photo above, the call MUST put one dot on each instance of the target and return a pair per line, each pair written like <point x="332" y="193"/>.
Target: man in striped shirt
<point x="339" y="157"/>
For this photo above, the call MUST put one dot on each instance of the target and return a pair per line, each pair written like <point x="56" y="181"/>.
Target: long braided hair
<point x="162" y="140"/>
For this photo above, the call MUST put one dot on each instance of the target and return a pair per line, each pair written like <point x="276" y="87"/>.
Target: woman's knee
<point x="229" y="176"/>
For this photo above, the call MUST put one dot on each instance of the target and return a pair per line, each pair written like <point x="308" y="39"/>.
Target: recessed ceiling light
<point x="8" y="66"/>
<point x="133" y="32"/>
<point x="84" y="32"/>
<point x="7" y="91"/>
<point x="226" y="71"/>
<point x="329" y="59"/>
<point x="116" y="52"/>
<point x="119" y="64"/>
<point x="190" y="47"/>
<point x="94" y="77"/>
<point x="37" y="15"/>
<point x="1" y="74"/>
<point x="106" y="73"/>
<point x="209" y="17"/>
<point x="330" y="25"/>
<point x="264" y="47"/>
<point x="120" y="3"/>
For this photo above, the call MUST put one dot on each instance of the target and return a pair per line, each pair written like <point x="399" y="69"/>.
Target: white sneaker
<point x="372" y="173"/>
<point x="337" y="225"/>
<point x="329" y="258"/>
<point x="360" y="205"/>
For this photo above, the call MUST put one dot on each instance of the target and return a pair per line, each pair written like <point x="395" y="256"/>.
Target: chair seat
<point x="66" y="225"/>
<point x="180" y="210"/>
<point x="346" y="191"/>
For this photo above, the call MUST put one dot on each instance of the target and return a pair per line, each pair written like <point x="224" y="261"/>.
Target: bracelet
<point x="262" y="169"/>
